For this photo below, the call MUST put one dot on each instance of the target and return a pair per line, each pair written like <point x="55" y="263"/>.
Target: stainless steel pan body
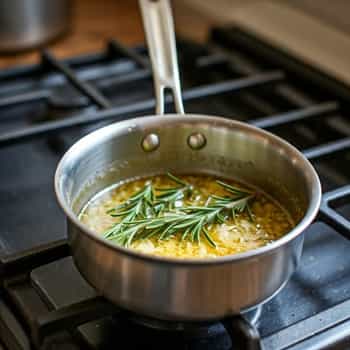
<point x="173" y="289"/>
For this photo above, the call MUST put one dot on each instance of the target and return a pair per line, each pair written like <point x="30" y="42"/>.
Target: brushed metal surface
<point x="28" y="23"/>
<point x="185" y="289"/>
<point x="195" y="289"/>
<point x="160" y="36"/>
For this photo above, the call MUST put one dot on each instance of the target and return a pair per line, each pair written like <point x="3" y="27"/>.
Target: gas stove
<point x="44" y="109"/>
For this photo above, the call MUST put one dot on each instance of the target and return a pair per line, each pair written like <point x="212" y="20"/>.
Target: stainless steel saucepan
<point x="171" y="288"/>
<point x="25" y="24"/>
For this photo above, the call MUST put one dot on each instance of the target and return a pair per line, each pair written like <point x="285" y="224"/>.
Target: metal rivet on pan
<point x="150" y="142"/>
<point x="196" y="140"/>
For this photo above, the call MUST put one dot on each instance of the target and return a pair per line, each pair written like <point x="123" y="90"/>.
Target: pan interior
<point x="233" y="150"/>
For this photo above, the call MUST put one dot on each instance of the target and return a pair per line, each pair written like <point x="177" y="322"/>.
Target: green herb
<point x="168" y="197"/>
<point x="157" y="216"/>
<point x="138" y="206"/>
<point x="144" y="204"/>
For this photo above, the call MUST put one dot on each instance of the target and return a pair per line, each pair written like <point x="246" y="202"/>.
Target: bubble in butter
<point x="270" y="220"/>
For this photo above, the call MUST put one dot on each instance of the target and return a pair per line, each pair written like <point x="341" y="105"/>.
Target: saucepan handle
<point x="159" y="30"/>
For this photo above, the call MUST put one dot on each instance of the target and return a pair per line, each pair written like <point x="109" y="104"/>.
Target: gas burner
<point x="200" y="328"/>
<point x="194" y="328"/>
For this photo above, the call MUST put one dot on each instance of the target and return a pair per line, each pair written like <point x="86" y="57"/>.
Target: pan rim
<point x="309" y="216"/>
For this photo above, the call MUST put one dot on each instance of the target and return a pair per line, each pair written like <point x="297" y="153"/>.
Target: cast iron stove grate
<point x="45" y="303"/>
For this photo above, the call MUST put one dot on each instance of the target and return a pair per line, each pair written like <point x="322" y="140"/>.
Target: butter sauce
<point x="270" y="220"/>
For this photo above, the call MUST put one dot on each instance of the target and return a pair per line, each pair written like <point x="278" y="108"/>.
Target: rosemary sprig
<point x="145" y="204"/>
<point x="191" y="222"/>
<point x="138" y="206"/>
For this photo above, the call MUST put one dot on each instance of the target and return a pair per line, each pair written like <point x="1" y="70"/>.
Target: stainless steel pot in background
<point x="25" y="24"/>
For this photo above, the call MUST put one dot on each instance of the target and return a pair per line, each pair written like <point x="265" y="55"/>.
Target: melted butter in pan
<point x="271" y="221"/>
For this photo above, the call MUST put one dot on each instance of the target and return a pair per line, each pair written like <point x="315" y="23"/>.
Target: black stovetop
<point x="44" y="302"/>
